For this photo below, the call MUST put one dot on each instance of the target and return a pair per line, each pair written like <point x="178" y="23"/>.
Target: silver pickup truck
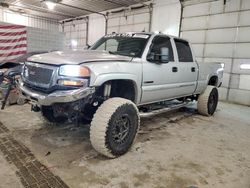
<point x="119" y="79"/>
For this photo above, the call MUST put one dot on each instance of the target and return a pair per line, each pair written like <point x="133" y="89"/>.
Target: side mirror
<point x="163" y="57"/>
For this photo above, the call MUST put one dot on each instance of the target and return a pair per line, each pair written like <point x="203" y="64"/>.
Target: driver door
<point x="160" y="77"/>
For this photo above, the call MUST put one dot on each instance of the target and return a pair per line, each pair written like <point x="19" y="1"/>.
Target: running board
<point x="163" y="110"/>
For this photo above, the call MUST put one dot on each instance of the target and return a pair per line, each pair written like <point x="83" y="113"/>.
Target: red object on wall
<point x="13" y="42"/>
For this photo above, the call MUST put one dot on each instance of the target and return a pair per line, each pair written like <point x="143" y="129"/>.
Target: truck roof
<point x="155" y="34"/>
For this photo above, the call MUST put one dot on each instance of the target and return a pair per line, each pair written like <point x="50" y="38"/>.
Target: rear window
<point x="183" y="50"/>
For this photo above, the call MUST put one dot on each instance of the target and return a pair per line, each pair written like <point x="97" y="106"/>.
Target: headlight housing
<point x="74" y="71"/>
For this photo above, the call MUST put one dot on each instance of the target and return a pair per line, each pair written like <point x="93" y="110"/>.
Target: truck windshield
<point x="131" y="45"/>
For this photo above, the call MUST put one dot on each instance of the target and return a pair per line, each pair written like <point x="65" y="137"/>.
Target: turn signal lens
<point x="76" y="83"/>
<point x="74" y="71"/>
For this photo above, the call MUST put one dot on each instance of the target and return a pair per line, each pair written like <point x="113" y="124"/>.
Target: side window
<point x="184" y="51"/>
<point x="160" y="43"/>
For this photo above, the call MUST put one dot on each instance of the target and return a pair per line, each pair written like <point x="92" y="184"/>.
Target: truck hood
<point x="74" y="57"/>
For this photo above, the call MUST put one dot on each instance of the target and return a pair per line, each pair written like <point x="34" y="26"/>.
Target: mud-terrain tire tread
<point x="203" y="99"/>
<point x="100" y="123"/>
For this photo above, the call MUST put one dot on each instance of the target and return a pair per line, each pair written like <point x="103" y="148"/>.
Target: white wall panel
<point x="141" y="18"/>
<point x="196" y="10"/>
<point x="36" y="22"/>
<point x="1" y="14"/>
<point x="219" y="50"/>
<point x="223" y="93"/>
<point x="227" y="40"/>
<point x="198" y="49"/>
<point x="140" y="27"/>
<point x="244" y="34"/>
<point x="77" y="31"/>
<point x="216" y="7"/>
<point x="44" y="40"/>
<point x="126" y="20"/>
<point x="227" y="62"/>
<point x="194" y="23"/>
<point x="113" y="22"/>
<point x="166" y="17"/>
<point x="244" y="82"/>
<point x="225" y="82"/>
<point x="223" y="20"/>
<point x="239" y="96"/>
<point x="194" y="36"/>
<point x="245" y="5"/>
<point x="234" y="82"/>
<point x="96" y="28"/>
<point x="232" y="5"/>
<point x="236" y="66"/>
<point x="244" y="18"/>
<point x="242" y="50"/>
<point x="221" y="35"/>
<point x="129" y="21"/>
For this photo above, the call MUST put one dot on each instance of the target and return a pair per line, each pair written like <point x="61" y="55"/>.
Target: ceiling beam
<point x="113" y="2"/>
<point x="83" y="9"/>
<point x="41" y="9"/>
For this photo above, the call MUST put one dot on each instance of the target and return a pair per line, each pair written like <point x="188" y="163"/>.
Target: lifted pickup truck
<point x="116" y="81"/>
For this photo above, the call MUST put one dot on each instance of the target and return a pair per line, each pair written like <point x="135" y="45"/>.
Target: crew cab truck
<point x="116" y="81"/>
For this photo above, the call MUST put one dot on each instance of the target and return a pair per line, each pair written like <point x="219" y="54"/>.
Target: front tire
<point x="208" y="101"/>
<point x="114" y="127"/>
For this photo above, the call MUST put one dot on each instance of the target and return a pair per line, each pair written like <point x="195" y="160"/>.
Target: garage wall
<point x="220" y="33"/>
<point x="128" y="20"/>
<point x="44" y="40"/>
<point x="77" y="31"/>
<point x="42" y="34"/>
<point x="137" y="20"/>
<point x="31" y="21"/>
<point x="166" y="16"/>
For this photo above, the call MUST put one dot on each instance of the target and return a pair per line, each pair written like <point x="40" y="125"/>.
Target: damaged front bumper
<point x="55" y="97"/>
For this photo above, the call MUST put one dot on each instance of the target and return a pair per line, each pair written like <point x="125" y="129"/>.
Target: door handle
<point x="174" y="69"/>
<point x="193" y="69"/>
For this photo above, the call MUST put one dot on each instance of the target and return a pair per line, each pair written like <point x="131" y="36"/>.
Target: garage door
<point x="129" y="20"/>
<point x="219" y="31"/>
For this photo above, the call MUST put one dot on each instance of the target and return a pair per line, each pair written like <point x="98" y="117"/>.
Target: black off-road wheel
<point x="208" y="101"/>
<point x="114" y="127"/>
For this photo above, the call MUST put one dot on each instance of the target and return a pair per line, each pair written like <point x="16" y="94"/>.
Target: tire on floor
<point x="114" y="127"/>
<point x="208" y="101"/>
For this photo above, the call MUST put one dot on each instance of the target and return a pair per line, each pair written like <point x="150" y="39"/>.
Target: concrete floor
<point x="175" y="150"/>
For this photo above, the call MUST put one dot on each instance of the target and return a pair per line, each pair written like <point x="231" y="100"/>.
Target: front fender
<point x="102" y="78"/>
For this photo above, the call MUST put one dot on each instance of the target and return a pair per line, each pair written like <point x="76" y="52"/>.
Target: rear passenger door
<point x="187" y="67"/>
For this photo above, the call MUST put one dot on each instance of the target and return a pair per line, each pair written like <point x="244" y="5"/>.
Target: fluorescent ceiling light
<point x="245" y="66"/>
<point x="50" y="4"/>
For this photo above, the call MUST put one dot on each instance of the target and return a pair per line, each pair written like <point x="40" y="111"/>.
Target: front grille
<point x="38" y="75"/>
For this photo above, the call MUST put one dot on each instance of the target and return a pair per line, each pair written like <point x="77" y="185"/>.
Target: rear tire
<point x="114" y="127"/>
<point x="208" y="101"/>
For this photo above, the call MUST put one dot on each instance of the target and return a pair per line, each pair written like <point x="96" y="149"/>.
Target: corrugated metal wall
<point x="220" y="32"/>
